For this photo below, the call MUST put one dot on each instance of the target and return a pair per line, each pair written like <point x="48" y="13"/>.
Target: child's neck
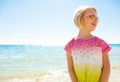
<point x="84" y="35"/>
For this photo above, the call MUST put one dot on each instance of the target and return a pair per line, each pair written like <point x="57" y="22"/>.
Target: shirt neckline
<point x="75" y="38"/>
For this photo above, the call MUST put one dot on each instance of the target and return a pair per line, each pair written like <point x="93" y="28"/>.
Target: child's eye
<point x="92" y="16"/>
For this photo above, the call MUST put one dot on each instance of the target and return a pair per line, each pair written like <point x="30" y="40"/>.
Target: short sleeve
<point x="68" y="46"/>
<point x="105" y="47"/>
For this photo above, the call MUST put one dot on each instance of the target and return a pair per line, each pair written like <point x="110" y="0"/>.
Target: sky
<point x="50" y="22"/>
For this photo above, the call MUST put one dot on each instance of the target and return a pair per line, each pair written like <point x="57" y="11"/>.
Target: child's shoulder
<point x="71" y="40"/>
<point x="102" y="42"/>
<point x="99" y="39"/>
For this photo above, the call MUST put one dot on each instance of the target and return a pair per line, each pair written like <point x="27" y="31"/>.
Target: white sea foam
<point x="56" y="76"/>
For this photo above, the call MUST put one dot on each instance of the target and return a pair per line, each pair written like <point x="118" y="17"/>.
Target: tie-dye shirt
<point x="87" y="57"/>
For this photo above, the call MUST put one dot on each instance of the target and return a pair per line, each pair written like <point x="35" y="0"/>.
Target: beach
<point x="28" y="63"/>
<point x="61" y="76"/>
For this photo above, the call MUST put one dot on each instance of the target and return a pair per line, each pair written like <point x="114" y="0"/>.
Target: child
<point x="87" y="55"/>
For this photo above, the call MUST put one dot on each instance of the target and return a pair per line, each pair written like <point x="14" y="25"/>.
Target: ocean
<point x="46" y="62"/>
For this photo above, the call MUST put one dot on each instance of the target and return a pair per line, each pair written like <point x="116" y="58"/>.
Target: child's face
<point x="90" y="20"/>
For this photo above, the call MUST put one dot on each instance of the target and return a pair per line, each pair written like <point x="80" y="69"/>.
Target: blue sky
<point x="49" y="22"/>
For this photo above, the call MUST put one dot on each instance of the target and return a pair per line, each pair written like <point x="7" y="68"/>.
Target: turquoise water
<point x="28" y="59"/>
<point x="115" y="55"/>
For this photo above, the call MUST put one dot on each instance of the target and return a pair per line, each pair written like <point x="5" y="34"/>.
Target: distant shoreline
<point x="114" y="45"/>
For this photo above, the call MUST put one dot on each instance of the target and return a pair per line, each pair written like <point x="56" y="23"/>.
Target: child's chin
<point x="92" y="29"/>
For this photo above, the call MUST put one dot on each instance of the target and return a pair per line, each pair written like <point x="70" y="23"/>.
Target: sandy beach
<point x="58" y="77"/>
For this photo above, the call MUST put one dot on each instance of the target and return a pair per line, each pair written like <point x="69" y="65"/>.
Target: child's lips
<point x="93" y="24"/>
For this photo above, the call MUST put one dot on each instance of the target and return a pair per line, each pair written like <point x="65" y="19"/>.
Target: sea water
<point x="114" y="55"/>
<point x="23" y="60"/>
<point x="43" y="61"/>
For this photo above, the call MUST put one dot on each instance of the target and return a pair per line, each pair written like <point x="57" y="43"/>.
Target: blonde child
<point x="87" y="55"/>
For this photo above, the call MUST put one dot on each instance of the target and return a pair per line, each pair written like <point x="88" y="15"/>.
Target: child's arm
<point x="106" y="68"/>
<point x="71" y="68"/>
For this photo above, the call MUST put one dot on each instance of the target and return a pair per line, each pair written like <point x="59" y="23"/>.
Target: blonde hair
<point x="78" y="15"/>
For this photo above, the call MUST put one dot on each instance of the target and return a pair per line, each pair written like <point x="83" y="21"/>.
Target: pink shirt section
<point x="87" y="57"/>
<point x="87" y="43"/>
